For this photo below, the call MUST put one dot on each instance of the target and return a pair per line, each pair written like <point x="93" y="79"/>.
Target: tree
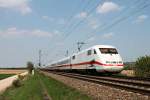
<point x="30" y="67"/>
<point x="142" y="68"/>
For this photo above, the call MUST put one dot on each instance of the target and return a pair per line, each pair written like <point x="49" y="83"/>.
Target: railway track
<point x="132" y="78"/>
<point x="137" y="86"/>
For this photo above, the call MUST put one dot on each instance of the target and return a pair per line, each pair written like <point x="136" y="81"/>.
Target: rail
<point x="137" y="86"/>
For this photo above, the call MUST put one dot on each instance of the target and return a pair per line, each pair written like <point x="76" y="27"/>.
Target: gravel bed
<point x="98" y="92"/>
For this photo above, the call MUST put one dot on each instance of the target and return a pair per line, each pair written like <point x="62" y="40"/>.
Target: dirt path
<point x="11" y="71"/>
<point x="7" y="82"/>
<point x="46" y="95"/>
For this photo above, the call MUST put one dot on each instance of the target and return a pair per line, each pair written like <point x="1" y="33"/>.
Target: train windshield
<point x="108" y="50"/>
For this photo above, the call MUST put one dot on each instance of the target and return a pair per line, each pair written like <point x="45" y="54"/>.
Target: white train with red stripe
<point x="101" y="58"/>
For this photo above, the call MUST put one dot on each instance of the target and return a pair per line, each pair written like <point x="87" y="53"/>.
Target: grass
<point x="33" y="90"/>
<point x="30" y="90"/>
<point x="2" y="76"/>
<point x="59" y="91"/>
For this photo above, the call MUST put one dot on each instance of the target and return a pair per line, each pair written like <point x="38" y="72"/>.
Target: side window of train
<point x="89" y="52"/>
<point x="73" y="57"/>
<point x="94" y="51"/>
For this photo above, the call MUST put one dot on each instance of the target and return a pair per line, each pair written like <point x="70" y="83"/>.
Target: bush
<point x="21" y="77"/>
<point x="17" y="83"/>
<point x="142" y="68"/>
<point x="129" y="65"/>
<point x="30" y="67"/>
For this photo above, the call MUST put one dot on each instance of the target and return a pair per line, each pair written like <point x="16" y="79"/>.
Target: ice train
<point x="99" y="58"/>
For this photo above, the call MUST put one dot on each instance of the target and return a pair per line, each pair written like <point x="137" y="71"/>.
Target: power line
<point x="81" y="21"/>
<point x="135" y="2"/>
<point x="71" y="17"/>
<point x="121" y="19"/>
<point x="69" y="23"/>
<point x="124" y="18"/>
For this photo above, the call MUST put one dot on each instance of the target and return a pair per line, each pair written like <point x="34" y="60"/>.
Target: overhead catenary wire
<point x="81" y="21"/>
<point x="123" y="18"/>
<point x="76" y="25"/>
<point x="119" y="20"/>
<point x="70" y="22"/>
<point x="70" y="19"/>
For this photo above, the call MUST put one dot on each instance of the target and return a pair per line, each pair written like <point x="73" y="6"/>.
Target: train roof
<point x="103" y="46"/>
<point x="93" y="47"/>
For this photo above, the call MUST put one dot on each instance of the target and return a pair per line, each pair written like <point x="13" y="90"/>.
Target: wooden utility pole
<point x="40" y="55"/>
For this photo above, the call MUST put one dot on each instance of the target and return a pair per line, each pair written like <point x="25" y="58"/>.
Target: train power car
<point x="100" y="58"/>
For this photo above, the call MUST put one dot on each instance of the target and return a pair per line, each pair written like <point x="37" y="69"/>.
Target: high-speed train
<point x="100" y="58"/>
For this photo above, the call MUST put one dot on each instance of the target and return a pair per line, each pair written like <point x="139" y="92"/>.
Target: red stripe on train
<point x="90" y="62"/>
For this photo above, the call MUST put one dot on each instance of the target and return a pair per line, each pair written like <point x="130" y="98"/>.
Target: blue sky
<point x="55" y="26"/>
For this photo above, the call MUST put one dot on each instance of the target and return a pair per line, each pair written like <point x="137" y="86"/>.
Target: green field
<point x="2" y="76"/>
<point x="32" y="89"/>
<point x="59" y="91"/>
<point x="29" y="90"/>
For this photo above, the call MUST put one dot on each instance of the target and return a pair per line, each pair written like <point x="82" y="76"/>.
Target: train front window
<point x="108" y="50"/>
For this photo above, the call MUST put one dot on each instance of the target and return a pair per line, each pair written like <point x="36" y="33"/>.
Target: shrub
<point x="129" y="65"/>
<point x="30" y="67"/>
<point x="16" y="83"/>
<point x="21" y="77"/>
<point x="142" y="68"/>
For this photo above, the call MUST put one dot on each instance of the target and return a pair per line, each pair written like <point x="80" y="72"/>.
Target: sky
<point x="55" y="26"/>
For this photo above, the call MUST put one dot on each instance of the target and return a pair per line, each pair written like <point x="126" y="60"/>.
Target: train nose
<point x="111" y="69"/>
